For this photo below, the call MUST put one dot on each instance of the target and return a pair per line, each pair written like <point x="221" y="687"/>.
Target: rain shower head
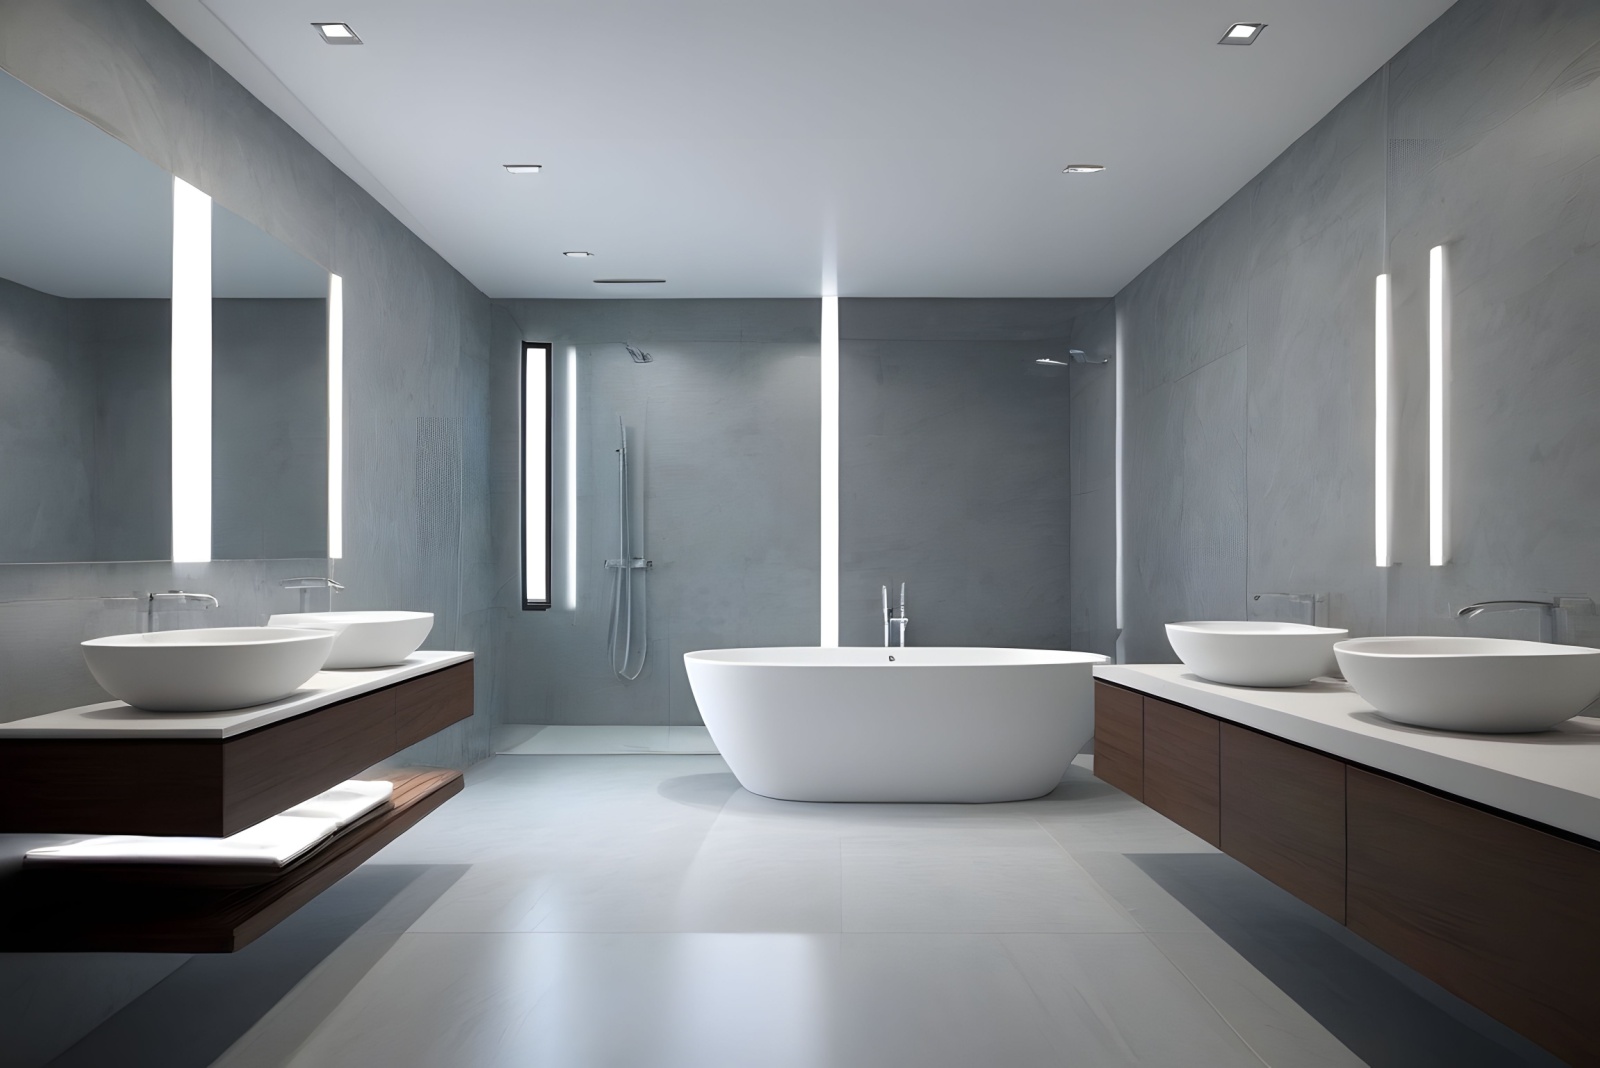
<point x="639" y="355"/>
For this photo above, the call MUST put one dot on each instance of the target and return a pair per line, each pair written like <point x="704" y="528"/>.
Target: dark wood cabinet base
<point x="1500" y="912"/>
<point x="1119" y="738"/>
<point x="1181" y="765"/>
<point x="152" y="911"/>
<point x="212" y="789"/>
<point x="1283" y="815"/>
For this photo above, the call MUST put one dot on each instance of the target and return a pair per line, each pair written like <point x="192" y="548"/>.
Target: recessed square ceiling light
<point x="524" y="168"/>
<point x="578" y="255"/>
<point x="1243" y="33"/>
<point x="1083" y="168"/>
<point x="337" y="33"/>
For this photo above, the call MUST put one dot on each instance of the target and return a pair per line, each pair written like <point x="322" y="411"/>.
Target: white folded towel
<point x="347" y="802"/>
<point x="273" y="842"/>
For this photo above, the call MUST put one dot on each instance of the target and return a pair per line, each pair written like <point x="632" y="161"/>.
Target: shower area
<point x="676" y="451"/>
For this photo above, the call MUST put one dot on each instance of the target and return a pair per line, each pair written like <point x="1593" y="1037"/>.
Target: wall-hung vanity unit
<point x="1475" y="859"/>
<point x="110" y="770"/>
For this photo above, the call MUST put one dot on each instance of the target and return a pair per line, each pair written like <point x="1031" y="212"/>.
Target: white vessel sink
<point x="1484" y="685"/>
<point x="364" y="639"/>
<point x="206" y="670"/>
<point x="1245" y="653"/>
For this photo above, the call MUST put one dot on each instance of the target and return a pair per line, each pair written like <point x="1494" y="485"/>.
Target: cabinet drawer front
<point x="280" y="766"/>
<point x="1182" y="756"/>
<point x="1283" y="815"/>
<point x="1499" y="913"/>
<point x="1119" y="738"/>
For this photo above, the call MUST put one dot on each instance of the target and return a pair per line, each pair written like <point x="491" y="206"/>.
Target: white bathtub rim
<point x="904" y="657"/>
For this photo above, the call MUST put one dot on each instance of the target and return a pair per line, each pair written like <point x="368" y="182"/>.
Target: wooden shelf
<point x="184" y="909"/>
<point x="211" y="788"/>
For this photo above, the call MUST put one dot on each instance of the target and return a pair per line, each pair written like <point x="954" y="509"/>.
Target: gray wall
<point x="956" y="468"/>
<point x="269" y="494"/>
<point x="1249" y="392"/>
<point x="129" y="343"/>
<point x="46" y="430"/>
<point x="83" y="427"/>
<point x="417" y="385"/>
<point x="723" y="441"/>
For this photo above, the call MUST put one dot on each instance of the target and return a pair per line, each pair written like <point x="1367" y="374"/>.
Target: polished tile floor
<point x="519" y="739"/>
<point x="645" y="911"/>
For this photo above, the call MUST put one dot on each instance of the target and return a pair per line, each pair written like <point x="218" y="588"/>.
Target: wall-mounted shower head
<point x="1074" y="356"/>
<point x="639" y="355"/>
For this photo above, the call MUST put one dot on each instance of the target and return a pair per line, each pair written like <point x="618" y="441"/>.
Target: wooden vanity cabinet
<point x="1182" y="767"/>
<point x="218" y="787"/>
<point x="1119" y="738"/>
<point x="1501" y="914"/>
<point x="1283" y="814"/>
<point x="211" y="787"/>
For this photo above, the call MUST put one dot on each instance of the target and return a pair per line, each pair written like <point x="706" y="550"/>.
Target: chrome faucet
<point x="1553" y="614"/>
<point x="901" y="620"/>
<point x="156" y="604"/>
<point x="1315" y="605"/>
<point x="309" y="583"/>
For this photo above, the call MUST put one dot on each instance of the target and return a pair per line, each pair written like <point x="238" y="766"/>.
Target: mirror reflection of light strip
<point x="191" y="374"/>
<point x="1382" y="547"/>
<point x="335" y="417"/>
<point x="830" y="472"/>
<point x="1438" y="407"/>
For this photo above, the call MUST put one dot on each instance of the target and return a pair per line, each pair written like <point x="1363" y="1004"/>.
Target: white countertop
<point x="1552" y="777"/>
<point x="116" y="719"/>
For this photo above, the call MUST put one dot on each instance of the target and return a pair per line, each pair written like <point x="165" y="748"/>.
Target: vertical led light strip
<point x="1382" y="549"/>
<point x="572" y="477"/>
<point x="191" y="374"/>
<point x="335" y="417"/>
<point x="1438" y="407"/>
<point x="1119" y="383"/>
<point x="830" y="472"/>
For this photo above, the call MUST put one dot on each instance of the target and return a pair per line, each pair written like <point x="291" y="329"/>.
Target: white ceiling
<point x="743" y="148"/>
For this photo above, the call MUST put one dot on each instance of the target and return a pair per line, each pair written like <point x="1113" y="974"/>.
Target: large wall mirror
<point x="85" y="339"/>
<point x="88" y="237"/>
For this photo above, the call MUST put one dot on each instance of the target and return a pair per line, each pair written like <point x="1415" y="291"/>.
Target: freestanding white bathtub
<point x="899" y="724"/>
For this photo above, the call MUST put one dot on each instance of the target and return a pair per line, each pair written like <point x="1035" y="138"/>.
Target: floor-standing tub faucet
<point x="901" y="620"/>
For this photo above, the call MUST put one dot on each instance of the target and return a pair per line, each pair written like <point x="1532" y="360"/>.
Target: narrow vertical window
<point x="535" y="475"/>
